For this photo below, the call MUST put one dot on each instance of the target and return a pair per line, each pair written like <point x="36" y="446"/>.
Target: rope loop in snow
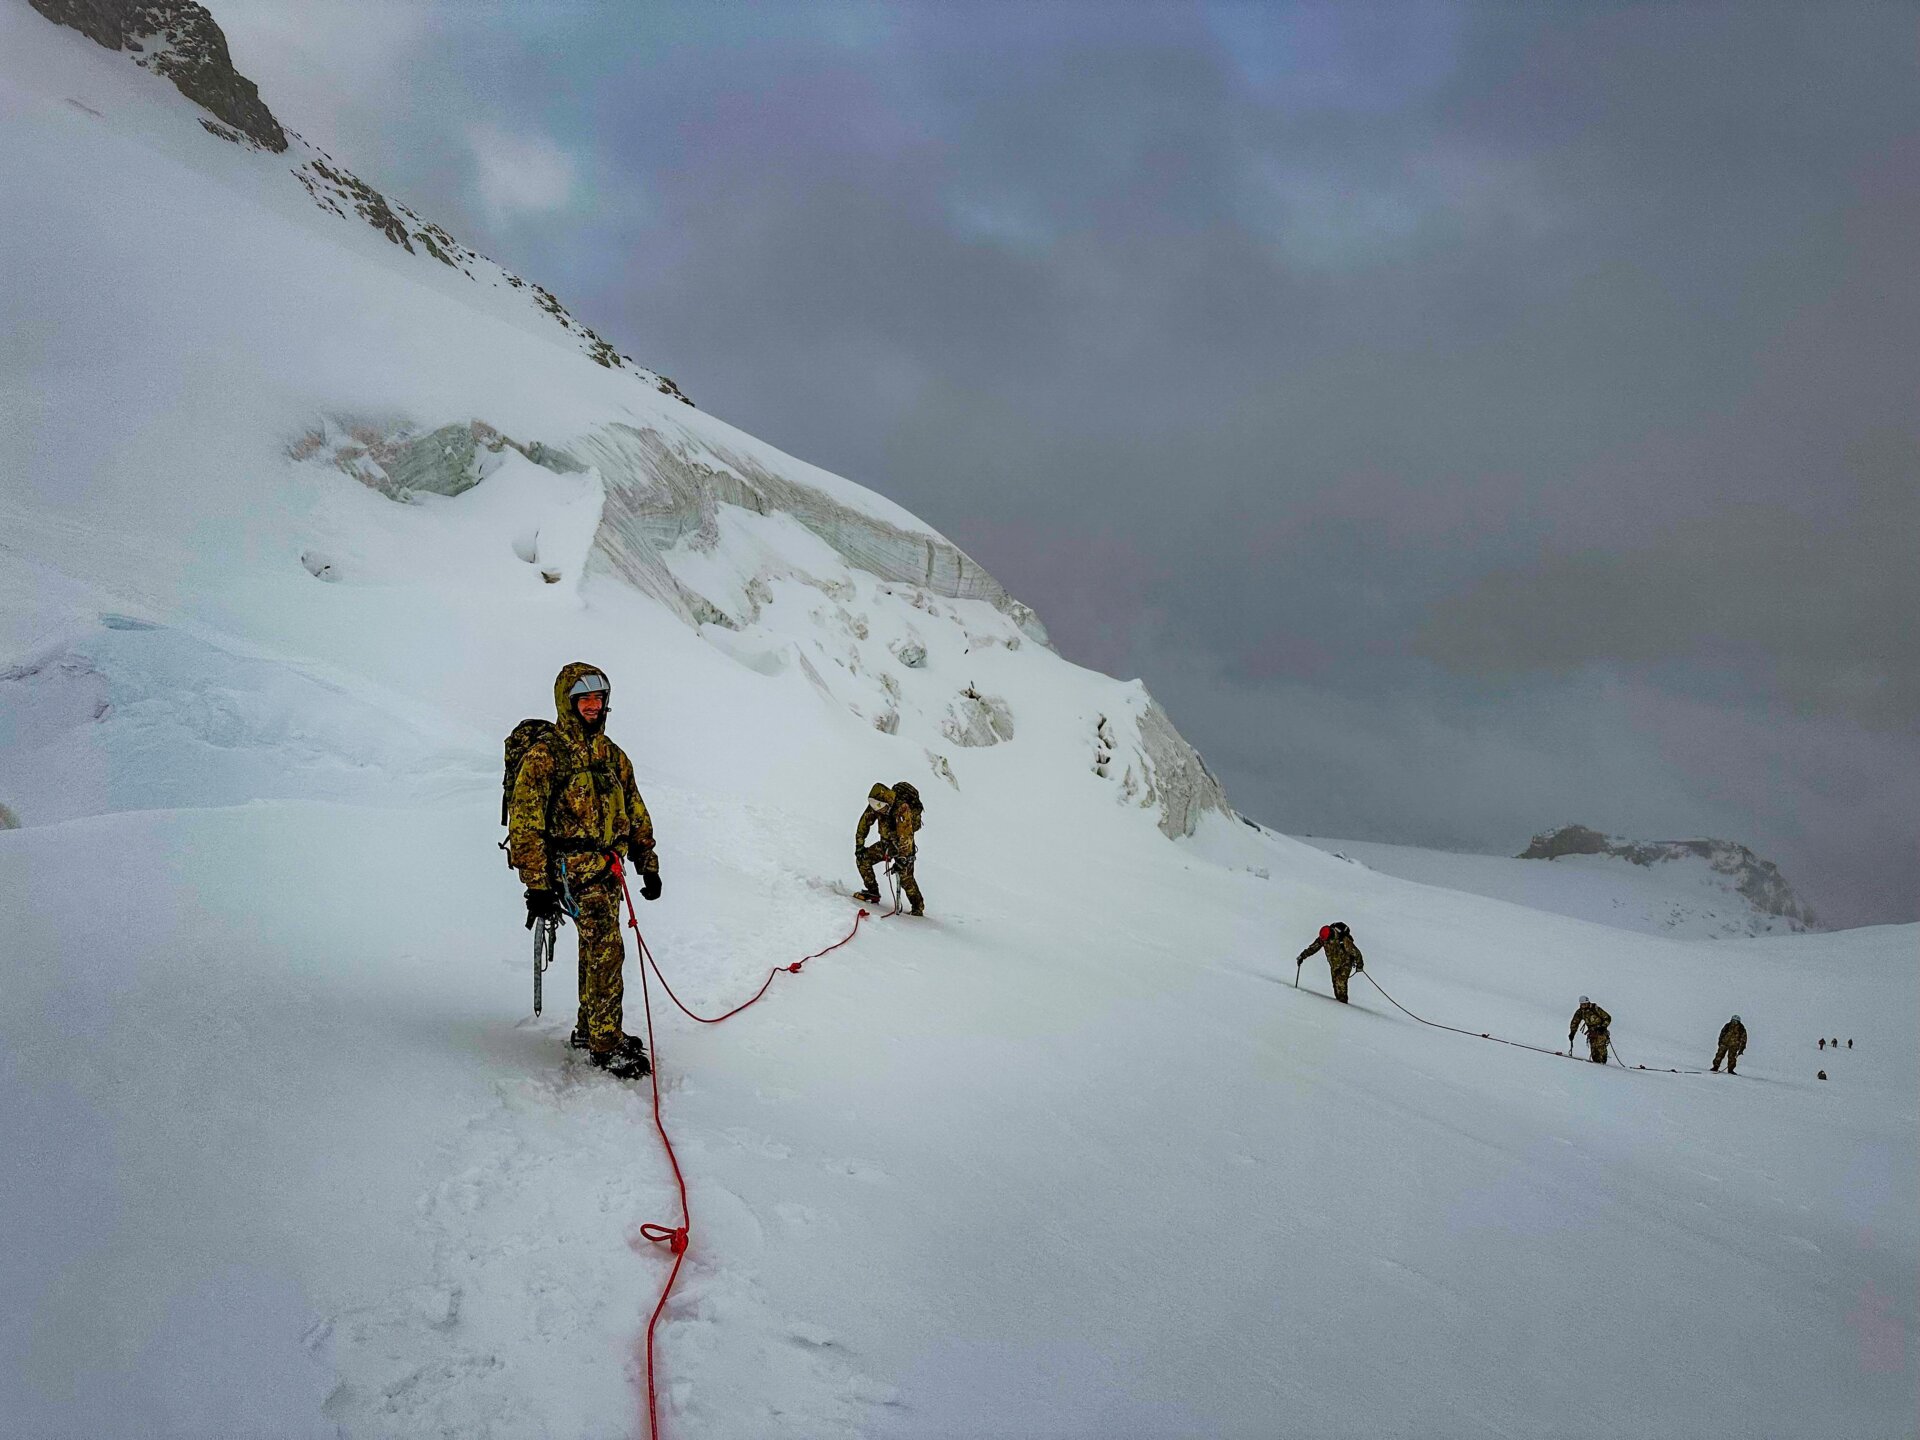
<point x="674" y="1237"/>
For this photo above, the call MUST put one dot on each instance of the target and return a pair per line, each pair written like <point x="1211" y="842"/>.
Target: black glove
<point x="1359" y="964"/>
<point x="542" y="905"/>
<point x="649" y="884"/>
<point x="1301" y="958"/>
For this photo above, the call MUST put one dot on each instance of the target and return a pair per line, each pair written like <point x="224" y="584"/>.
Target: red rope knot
<point x="674" y="1237"/>
<point x="794" y="968"/>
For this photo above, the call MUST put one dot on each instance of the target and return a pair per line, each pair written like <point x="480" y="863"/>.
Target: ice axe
<point x="544" y="935"/>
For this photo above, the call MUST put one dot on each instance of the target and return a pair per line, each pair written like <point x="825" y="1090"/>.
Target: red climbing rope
<point x="793" y="969"/>
<point x="1483" y="1035"/>
<point x="677" y="1237"/>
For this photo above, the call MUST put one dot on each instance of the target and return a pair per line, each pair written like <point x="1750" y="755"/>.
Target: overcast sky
<point x="1468" y="419"/>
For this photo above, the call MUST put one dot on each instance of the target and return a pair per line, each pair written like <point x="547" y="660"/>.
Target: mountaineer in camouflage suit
<point x="895" y="811"/>
<point x="1596" y="1020"/>
<point x="1733" y="1041"/>
<point x="1343" y="956"/>
<point x="574" y="809"/>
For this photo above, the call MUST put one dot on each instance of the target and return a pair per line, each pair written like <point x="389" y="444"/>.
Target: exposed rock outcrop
<point x="180" y="40"/>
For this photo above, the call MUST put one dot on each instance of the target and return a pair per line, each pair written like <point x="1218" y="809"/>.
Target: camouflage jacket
<point x="1342" y="953"/>
<point x="1590" y="1015"/>
<point x="1733" y="1036"/>
<point x="896" y="823"/>
<point x="575" y="800"/>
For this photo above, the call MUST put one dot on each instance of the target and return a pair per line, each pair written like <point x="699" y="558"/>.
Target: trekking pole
<point x="1296" y="973"/>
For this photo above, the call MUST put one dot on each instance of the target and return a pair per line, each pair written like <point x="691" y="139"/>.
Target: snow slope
<point x="285" y="1153"/>
<point x="1684" y="898"/>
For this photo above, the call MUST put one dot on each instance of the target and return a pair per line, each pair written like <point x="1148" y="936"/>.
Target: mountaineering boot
<point x="631" y="1045"/>
<point x="867" y="897"/>
<point x="918" y="910"/>
<point x="622" y="1064"/>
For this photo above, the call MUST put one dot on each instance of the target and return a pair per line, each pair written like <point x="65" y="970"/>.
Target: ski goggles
<point x="588" y="684"/>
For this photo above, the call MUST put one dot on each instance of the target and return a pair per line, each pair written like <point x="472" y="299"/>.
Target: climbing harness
<point x="678" y="1237"/>
<point x="1517" y="1044"/>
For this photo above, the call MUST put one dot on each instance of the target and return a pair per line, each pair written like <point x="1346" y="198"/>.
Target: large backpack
<point x="522" y="738"/>
<point x="904" y="794"/>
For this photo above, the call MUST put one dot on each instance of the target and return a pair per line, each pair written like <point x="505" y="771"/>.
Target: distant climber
<point x="895" y="811"/>
<point x="573" y="811"/>
<point x="1733" y="1042"/>
<point x="1823" y="1042"/>
<point x="1343" y="956"/>
<point x="1596" y="1020"/>
<point x="1849" y="1042"/>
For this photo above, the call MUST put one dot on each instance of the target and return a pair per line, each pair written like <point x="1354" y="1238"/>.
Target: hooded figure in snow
<point x="1343" y="956"/>
<point x="1733" y="1040"/>
<point x="575" y="808"/>
<point x="895" y="810"/>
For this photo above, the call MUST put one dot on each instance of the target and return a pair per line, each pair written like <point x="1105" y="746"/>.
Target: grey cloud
<point x="1820" y="609"/>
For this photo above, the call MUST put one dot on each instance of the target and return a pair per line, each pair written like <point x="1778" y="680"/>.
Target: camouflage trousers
<point x="602" y="958"/>
<point x="873" y="855"/>
<point x="1728" y="1054"/>
<point x="1341" y="974"/>
<point x="1597" y="1046"/>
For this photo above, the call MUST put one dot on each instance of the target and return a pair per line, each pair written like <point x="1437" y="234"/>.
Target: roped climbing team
<point x="571" y="807"/>
<point x="1344" y="958"/>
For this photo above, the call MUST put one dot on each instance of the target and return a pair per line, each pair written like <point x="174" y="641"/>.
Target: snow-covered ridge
<point x="1758" y="882"/>
<point x="180" y="40"/>
<point x="1677" y="891"/>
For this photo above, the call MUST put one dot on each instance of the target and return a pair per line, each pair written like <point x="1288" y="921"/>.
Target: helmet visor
<point x="591" y="683"/>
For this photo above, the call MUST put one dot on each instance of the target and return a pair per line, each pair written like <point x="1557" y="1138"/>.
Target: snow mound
<point x="140" y="716"/>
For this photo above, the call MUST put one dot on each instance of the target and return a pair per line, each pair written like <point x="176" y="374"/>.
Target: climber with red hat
<point x="1343" y="956"/>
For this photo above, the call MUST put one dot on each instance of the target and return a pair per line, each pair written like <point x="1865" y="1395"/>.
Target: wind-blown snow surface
<point x="285" y="1155"/>
<point x="1683" y="898"/>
